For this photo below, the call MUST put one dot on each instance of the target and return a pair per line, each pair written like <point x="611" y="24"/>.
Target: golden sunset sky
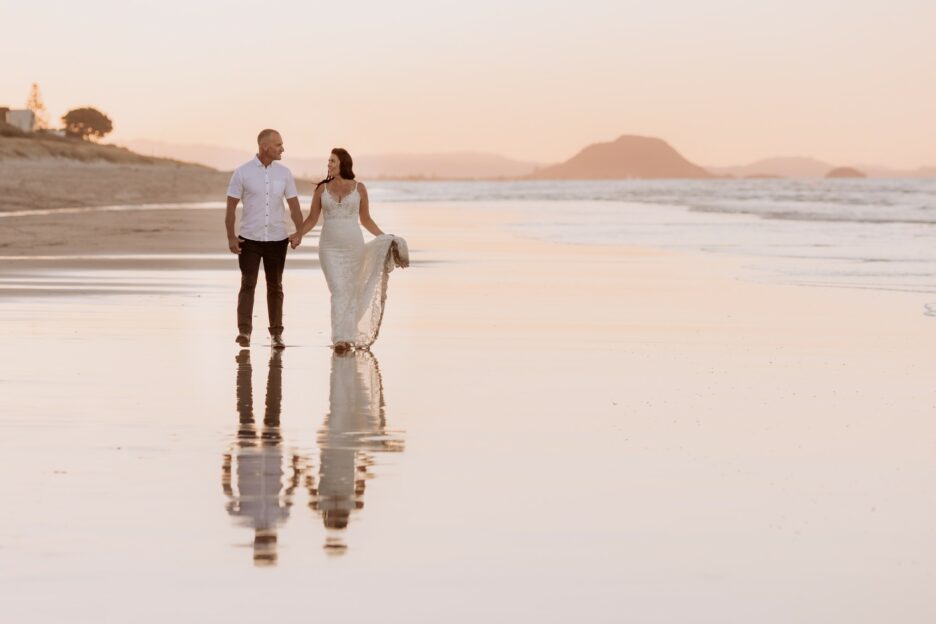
<point x="724" y="81"/>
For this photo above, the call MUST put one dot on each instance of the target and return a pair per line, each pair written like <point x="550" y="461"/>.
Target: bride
<point x="356" y="273"/>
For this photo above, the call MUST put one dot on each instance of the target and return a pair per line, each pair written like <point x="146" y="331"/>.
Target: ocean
<point x="878" y="233"/>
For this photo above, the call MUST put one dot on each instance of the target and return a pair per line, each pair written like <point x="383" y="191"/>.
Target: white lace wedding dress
<point x="356" y="273"/>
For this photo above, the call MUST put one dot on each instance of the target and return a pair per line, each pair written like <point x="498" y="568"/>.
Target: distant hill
<point x="220" y="158"/>
<point x="782" y="167"/>
<point x="845" y="172"/>
<point x="446" y="165"/>
<point x="877" y="171"/>
<point x="627" y="157"/>
<point x="457" y="165"/>
<point x="801" y="167"/>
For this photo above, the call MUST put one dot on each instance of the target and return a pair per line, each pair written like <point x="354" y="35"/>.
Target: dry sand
<point x="42" y="183"/>
<point x="592" y="434"/>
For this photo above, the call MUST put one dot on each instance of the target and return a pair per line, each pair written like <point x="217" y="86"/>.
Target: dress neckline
<point x="341" y="199"/>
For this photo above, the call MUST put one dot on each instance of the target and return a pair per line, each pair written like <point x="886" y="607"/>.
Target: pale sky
<point x="724" y="81"/>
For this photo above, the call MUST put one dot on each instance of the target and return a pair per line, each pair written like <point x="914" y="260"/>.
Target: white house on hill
<point x="24" y="120"/>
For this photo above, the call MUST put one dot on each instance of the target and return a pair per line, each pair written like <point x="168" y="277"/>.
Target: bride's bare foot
<point x="342" y="347"/>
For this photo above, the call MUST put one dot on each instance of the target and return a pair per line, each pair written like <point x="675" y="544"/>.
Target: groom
<point x="262" y="184"/>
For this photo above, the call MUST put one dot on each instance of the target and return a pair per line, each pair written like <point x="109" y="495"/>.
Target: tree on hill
<point x="37" y="106"/>
<point x="85" y="123"/>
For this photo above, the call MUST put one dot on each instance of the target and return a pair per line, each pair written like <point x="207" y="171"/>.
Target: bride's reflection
<point x="253" y="475"/>
<point x="354" y="429"/>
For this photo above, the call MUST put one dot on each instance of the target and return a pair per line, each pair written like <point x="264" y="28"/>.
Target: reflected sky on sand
<point x="592" y="434"/>
<point x="260" y="477"/>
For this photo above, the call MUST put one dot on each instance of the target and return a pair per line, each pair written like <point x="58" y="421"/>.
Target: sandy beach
<point x="662" y="352"/>
<point x="546" y="433"/>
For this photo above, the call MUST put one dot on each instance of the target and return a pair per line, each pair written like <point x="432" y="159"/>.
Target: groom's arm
<point x="295" y="239"/>
<point x="234" y="193"/>
<point x="229" y="216"/>
<point x="295" y="212"/>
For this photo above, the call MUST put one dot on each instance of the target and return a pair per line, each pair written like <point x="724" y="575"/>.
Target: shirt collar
<point x="256" y="160"/>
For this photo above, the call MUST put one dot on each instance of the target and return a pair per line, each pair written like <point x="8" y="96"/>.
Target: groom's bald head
<point x="270" y="144"/>
<point x="266" y="135"/>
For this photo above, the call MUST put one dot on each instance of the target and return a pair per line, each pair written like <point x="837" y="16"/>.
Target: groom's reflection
<point x="253" y="473"/>
<point x="354" y="429"/>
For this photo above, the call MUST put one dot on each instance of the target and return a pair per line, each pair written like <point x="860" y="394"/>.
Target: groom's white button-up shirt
<point x="263" y="189"/>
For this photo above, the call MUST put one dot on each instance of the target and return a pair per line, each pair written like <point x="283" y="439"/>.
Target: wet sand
<point x="546" y="433"/>
<point x="141" y="230"/>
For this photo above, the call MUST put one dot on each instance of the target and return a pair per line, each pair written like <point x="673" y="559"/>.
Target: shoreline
<point x="191" y="235"/>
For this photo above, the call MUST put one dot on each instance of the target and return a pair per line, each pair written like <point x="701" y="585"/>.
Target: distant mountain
<point x="221" y="158"/>
<point x="627" y="157"/>
<point x="800" y="167"/>
<point x="846" y="172"/>
<point x="784" y="167"/>
<point x="877" y="171"/>
<point x="450" y="165"/>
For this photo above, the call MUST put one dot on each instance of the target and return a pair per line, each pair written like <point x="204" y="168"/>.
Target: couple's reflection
<point x="258" y="480"/>
<point x="253" y="472"/>
<point x="354" y="429"/>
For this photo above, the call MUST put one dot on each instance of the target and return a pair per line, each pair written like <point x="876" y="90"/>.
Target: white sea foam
<point x="855" y="233"/>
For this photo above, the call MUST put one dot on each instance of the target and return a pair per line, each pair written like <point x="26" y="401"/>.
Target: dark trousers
<point x="273" y="255"/>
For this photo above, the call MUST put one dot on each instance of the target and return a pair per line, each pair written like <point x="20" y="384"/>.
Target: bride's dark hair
<point x="345" y="166"/>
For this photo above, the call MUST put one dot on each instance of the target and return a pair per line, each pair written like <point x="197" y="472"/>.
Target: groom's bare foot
<point x="277" y="342"/>
<point x="243" y="339"/>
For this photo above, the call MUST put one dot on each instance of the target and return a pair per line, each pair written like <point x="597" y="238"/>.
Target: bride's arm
<point x="366" y="219"/>
<point x="314" y="212"/>
<point x="295" y="239"/>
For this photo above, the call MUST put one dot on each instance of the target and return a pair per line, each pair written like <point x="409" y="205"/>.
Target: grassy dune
<point x="39" y="172"/>
<point x="47" y="146"/>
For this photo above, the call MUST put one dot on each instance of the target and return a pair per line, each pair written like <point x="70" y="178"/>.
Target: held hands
<point x="234" y="244"/>
<point x="295" y="240"/>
